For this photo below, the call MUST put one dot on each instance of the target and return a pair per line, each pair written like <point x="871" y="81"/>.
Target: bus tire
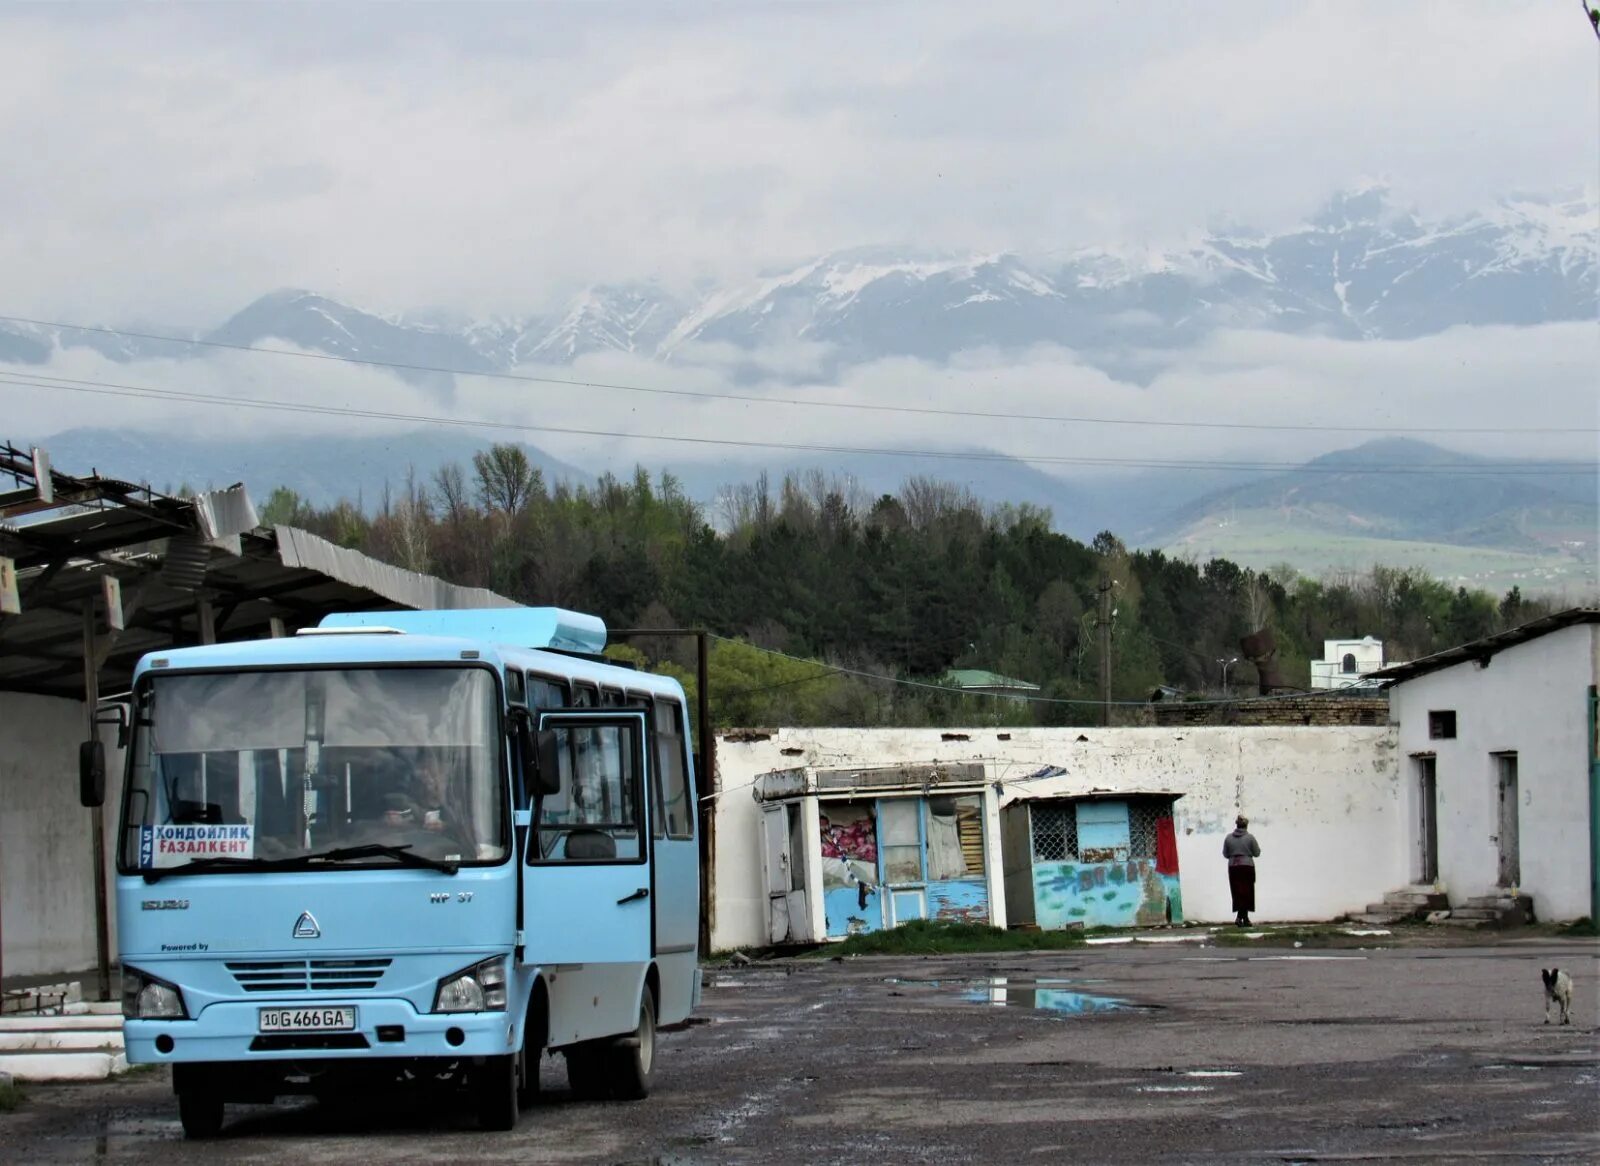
<point x="200" y="1111"/>
<point x="533" y="1042"/>
<point x="630" y="1063"/>
<point x="494" y="1092"/>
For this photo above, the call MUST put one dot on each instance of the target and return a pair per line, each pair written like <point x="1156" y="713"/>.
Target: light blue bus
<point x="423" y="846"/>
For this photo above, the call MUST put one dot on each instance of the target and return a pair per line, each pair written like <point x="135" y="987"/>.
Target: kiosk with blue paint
<point x="416" y="847"/>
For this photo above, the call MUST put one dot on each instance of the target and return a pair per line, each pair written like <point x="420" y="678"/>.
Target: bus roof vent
<point x="521" y="627"/>
<point x="374" y="630"/>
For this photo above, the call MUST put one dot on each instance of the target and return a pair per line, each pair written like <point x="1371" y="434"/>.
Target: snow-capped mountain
<point x="314" y="322"/>
<point x="875" y="302"/>
<point x="631" y="318"/>
<point x="1360" y="268"/>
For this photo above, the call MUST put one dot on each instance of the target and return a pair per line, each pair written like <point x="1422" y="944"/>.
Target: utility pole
<point x="1103" y="624"/>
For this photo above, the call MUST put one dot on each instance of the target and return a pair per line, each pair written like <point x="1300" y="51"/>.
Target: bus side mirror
<point x="546" y="777"/>
<point x="114" y="714"/>
<point x="91" y="773"/>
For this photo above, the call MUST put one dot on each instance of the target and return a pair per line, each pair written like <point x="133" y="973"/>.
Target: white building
<point x="1502" y="788"/>
<point x="1346" y="663"/>
<point x="965" y="823"/>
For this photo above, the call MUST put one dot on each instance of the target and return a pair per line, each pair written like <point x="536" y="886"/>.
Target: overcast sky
<point x="174" y="161"/>
<point x="167" y="164"/>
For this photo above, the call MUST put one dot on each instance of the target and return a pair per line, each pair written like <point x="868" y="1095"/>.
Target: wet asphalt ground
<point x="1142" y="1053"/>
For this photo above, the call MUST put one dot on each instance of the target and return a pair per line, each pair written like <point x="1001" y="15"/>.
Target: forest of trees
<point x="804" y="579"/>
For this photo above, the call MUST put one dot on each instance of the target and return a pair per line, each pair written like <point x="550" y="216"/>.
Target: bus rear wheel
<point x="629" y="1064"/>
<point x="494" y="1092"/>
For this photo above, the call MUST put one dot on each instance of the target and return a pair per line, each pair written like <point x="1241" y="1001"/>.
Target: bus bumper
<point x="383" y="1029"/>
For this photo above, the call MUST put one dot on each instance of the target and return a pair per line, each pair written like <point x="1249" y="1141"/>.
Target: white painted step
<point x="98" y="1040"/>
<point x="90" y="1021"/>
<point x="49" y="1065"/>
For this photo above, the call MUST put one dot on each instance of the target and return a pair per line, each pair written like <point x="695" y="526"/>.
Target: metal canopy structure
<point x="96" y="572"/>
<point x="185" y="571"/>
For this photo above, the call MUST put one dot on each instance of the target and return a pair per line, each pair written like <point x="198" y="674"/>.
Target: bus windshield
<point x="371" y="766"/>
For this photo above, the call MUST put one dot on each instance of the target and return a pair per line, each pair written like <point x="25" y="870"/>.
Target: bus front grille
<point x="307" y="975"/>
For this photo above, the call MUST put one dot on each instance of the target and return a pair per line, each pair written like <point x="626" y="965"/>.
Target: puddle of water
<point x="1213" y="1073"/>
<point x="1000" y="994"/>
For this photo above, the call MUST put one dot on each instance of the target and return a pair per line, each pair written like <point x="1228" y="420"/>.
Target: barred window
<point x="1143" y="814"/>
<point x="1055" y="831"/>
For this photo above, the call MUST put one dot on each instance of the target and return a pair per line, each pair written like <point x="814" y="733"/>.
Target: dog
<point x="1557" y="993"/>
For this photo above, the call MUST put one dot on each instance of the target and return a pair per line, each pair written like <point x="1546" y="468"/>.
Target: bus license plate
<point x="307" y="1019"/>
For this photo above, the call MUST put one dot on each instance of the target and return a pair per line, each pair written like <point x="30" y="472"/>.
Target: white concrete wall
<point x="1532" y="700"/>
<point x="47" y="913"/>
<point x="1325" y="803"/>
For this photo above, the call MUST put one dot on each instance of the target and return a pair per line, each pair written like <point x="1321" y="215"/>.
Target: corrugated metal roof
<point x="245" y="581"/>
<point x="301" y="550"/>
<point x="285" y="574"/>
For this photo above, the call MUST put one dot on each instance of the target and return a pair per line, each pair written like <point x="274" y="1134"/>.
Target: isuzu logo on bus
<point x="306" y="927"/>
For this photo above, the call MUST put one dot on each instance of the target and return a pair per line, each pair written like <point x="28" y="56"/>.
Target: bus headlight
<point x="480" y="988"/>
<point x="147" y="998"/>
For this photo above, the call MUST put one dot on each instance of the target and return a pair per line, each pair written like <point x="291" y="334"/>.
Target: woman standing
<point x="1241" y="850"/>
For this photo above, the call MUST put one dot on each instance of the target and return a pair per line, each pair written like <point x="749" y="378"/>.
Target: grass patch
<point x="1584" y="927"/>
<point x="942" y="937"/>
<point x="1289" y="936"/>
<point x="10" y="1096"/>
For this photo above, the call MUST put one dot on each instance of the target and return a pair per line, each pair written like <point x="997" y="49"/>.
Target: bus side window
<point x="673" y="769"/>
<point x="585" y="696"/>
<point x="595" y="817"/>
<point x="516" y="688"/>
<point x="658" y="814"/>
<point x="545" y="693"/>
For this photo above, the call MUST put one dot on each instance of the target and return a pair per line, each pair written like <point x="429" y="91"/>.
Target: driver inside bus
<point x="429" y="791"/>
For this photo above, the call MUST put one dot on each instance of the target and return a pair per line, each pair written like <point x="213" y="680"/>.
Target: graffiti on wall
<point x="1105" y="894"/>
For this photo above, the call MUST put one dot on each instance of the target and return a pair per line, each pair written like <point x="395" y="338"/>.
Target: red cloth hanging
<point x="1166" y="847"/>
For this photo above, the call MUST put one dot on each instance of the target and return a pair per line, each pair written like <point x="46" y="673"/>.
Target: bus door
<point x="588" y="884"/>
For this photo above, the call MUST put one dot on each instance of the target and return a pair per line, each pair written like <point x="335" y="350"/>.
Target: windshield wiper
<point x="403" y="854"/>
<point x="211" y="861"/>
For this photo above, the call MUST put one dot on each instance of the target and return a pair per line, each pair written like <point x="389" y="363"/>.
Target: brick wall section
<point x="1307" y="710"/>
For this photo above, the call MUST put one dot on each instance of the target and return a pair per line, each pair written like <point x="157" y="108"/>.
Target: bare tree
<point x="451" y="486"/>
<point x="507" y="481"/>
<point x="413" y="524"/>
<point x="1257" y="595"/>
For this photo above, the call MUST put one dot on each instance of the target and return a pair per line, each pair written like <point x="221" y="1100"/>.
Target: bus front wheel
<point x="494" y="1088"/>
<point x="630" y="1062"/>
<point x="200" y="1111"/>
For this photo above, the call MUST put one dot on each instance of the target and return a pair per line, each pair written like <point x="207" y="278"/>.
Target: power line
<point x="752" y="398"/>
<point x="142" y="392"/>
